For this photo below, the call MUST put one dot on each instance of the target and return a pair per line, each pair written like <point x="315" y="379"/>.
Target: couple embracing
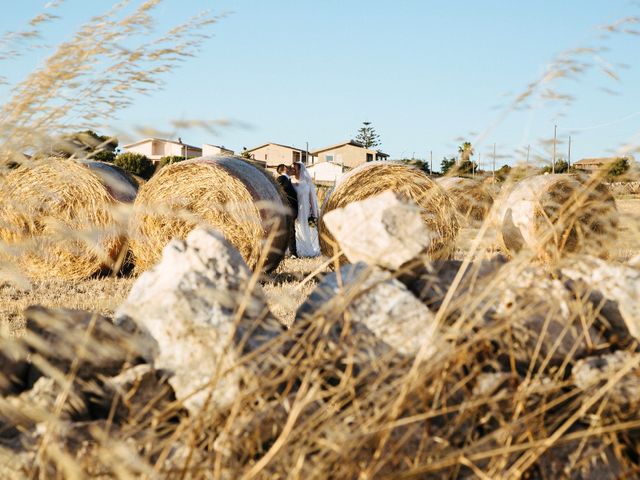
<point x="301" y="194"/>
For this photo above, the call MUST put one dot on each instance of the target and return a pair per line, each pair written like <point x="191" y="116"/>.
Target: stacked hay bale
<point x="369" y="179"/>
<point x="58" y="218"/>
<point x="553" y="215"/>
<point x="239" y="200"/>
<point x="470" y="197"/>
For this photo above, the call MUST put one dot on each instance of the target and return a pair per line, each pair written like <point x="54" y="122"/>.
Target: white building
<point x="156" y="148"/>
<point x="325" y="171"/>
<point x="208" y="149"/>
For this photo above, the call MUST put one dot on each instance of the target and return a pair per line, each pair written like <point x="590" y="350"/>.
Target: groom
<point x="292" y="196"/>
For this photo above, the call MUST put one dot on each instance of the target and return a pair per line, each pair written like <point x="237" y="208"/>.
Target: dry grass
<point x="471" y="198"/>
<point x="101" y="295"/>
<point x="492" y="396"/>
<point x="232" y="196"/>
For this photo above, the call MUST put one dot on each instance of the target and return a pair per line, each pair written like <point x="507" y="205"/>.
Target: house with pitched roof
<point x="275" y="153"/>
<point x="348" y="154"/>
<point x="156" y="148"/>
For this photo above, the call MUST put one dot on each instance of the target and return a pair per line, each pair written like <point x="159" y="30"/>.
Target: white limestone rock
<point x="617" y="282"/>
<point x="377" y="302"/>
<point x="198" y="306"/>
<point x="380" y="230"/>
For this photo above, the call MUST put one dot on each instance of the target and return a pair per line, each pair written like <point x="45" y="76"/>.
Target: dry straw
<point x="226" y="193"/>
<point x="557" y="214"/>
<point x="470" y="197"/>
<point x="57" y="219"/>
<point x="370" y="179"/>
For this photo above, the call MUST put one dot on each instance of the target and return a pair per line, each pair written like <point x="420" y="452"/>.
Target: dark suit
<point x="292" y="198"/>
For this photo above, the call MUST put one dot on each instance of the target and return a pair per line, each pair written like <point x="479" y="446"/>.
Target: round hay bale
<point x="57" y="220"/>
<point x="470" y="197"/>
<point x="241" y="201"/>
<point x="370" y="179"/>
<point x="553" y="215"/>
<point x="120" y="184"/>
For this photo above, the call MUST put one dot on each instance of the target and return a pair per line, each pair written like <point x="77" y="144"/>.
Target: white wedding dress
<point x="307" y="244"/>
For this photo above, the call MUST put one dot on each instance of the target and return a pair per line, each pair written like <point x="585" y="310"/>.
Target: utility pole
<point x="307" y="152"/>
<point x="479" y="157"/>
<point x="494" y="163"/>
<point x="431" y="162"/>
<point x="569" y="156"/>
<point x="528" y="148"/>
<point x="553" y="161"/>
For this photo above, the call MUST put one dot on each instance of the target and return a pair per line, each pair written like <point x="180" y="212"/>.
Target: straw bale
<point x="57" y="218"/>
<point x="228" y="194"/>
<point x="120" y="184"/>
<point x="471" y="198"/>
<point x="437" y="211"/>
<point x="553" y="215"/>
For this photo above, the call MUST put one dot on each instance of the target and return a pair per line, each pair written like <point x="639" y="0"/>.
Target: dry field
<point x="284" y="288"/>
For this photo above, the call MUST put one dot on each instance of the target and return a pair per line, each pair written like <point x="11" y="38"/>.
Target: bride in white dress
<point x="307" y="244"/>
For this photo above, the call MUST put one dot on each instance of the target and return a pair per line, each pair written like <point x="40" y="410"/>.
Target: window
<point x="328" y="158"/>
<point x="296" y="156"/>
<point x="369" y="157"/>
<point x="265" y="156"/>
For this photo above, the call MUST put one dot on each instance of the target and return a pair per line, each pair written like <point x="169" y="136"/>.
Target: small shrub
<point x="561" y="166"/>
<point x="164" y="161"/>
<point x="135" y="163"/>
<point x="103" y="156"/>
<point x="617" y="168"/>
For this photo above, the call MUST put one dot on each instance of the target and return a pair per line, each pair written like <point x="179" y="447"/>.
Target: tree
<point x="561" y="166"/>
<point x="503" y="172"/>
<point x="164" y="161"/>
<point x="466" y="152"/>
<point x="417" y="163"/>
<point x="245" y="153"/>
<point x="447" y="164"/>
<point x="135" y="163"/>
<point x="466" y="167"/>
<point x="367" y="136"/>
<point x="85" y="144"/>
<point x="618" y="167"/>
<point x="103" y="156"/>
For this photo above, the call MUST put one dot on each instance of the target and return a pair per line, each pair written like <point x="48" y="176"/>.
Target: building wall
<point x="154" y="150"/>
<point x="325" y="172"/>
<point x="215" y="150"/>
<point x="274" y="155"/>
<point x="347" y="155"/>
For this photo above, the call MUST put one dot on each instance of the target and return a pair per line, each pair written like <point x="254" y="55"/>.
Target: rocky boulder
<point x="375" y="302"/>
<point x="203" y="313"/>
<point x="380" y="230"/>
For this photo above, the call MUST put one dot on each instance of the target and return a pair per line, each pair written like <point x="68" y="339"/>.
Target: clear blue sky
<point x="425" y="73"/>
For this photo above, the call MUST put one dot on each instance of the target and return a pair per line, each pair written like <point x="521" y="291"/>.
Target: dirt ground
<point x="286" y="288"/>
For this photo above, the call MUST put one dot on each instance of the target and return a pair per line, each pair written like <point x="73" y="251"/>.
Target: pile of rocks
<point x="392" y="358"/>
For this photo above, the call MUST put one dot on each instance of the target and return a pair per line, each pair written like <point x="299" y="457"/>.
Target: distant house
<point x="156" y="148"/>
<point x="325" y="171"/>
<point x="593" y="164"/>
<point x="348" y="154"/>
<point x="208" y="149"/>
<point x="274" y="154"/>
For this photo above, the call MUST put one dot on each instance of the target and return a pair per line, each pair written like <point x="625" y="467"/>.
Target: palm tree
<point x="466" y="152"/>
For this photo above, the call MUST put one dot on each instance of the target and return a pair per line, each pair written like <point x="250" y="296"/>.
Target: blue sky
<point x="425" y="73"/>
